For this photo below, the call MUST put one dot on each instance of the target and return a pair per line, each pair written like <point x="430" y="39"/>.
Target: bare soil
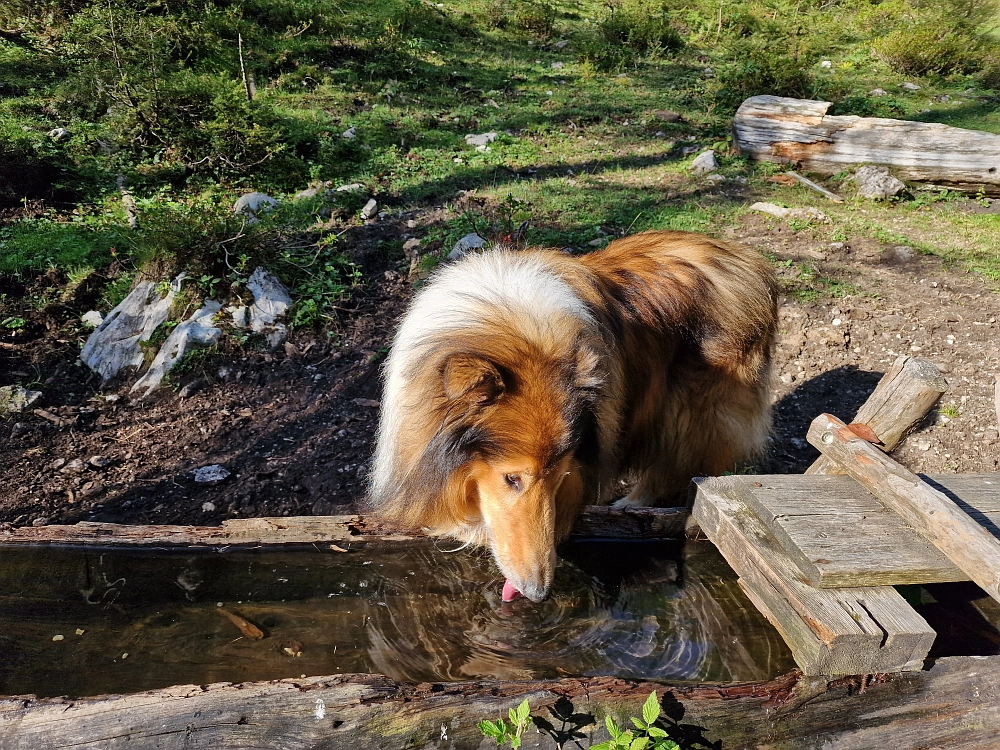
<point x="296" y="427"/>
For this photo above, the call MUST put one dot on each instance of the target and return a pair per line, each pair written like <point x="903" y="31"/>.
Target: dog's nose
<point x="536" y="592"/>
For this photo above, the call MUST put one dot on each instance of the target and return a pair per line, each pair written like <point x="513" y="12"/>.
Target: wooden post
<point x="901" y="399"/>
<point x="928" y="511"/>
<point x="798" y="131"/>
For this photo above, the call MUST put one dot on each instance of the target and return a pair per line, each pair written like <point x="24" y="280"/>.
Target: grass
<point x="583" y="149"/>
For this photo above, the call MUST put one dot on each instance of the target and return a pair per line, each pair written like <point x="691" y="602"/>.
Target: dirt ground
<point x="296" y="427"/>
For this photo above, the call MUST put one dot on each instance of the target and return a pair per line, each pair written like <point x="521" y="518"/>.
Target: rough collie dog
<point x="522" y="386"/>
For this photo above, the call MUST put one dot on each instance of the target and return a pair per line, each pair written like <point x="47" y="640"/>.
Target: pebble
<point x="924" y="445"/>
<point x="370" y="210"/>
<point x="99" y="462"/>
<point x="40" y="521"/>
<point x="350" y="133"/>
<point x="207" y="507"/>
<point x="73" y="467"/>
<point x="57" y="464"/>
<point x="910" y="86"/>
<point x="211" y="474"/>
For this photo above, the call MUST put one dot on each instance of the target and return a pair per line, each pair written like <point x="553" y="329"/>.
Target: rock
<point x="59" y="134"/>
<point x="99" y="462"/>
<point x="198" y="330"/>
<point x="667" y="115"/>
<point x="57" y="464"/>
<point x="92" y="319"/>
<point x="73" y="467"/>
<point x="192" y="388"/>
<point x="482" y="140"/>
<point x="207" y="507"/>
<point x="557" y="65"/>
<point x="370" y="211"/>
<point x="876" y="183"/>
<point x="469" y="242"/>
<point x="350" y="188"/>
<point x="350" y="133"/>
<point x="19" y="428"/>
<point x="253" y="204"/>
<point x="705" y="162"/>
<point x="411" y="248"/>
<point x="878" y="92"/>
<point x="43" y="521"/>
<point x="114" y="344"/>
<point x="826" y="64"/>
<point x="599" y="242"/>
<point x="211" y="474"/>
<point x="308" y="193"/>
<point x="898" y="255"/>
<point x="239" y="316"/>
<point x="837" y="247"/>
<point x="808" y="214"/>
<point x="924" y="445"/>
<point x="561" y="44"/>
<point x="270" y="300"/>
<point x="715" y="179"/>
<point x="909" y="86"/>
<point x="14" y="398"/>
<point x="688" y="150"/>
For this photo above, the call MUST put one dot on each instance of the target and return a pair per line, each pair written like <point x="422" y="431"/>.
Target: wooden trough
<point x="817" y="554"/>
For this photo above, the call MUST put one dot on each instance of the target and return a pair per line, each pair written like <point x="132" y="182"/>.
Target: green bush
<point x="640" y="27"/>
<point x="930" y="47"/>
<point x="33" y="245"/>
<point x="762" y="71"/>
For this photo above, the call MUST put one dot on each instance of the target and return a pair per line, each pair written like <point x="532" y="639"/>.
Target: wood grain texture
<point x="838" y="534"/>
<point x="596" y="521"/>
<point x="955" y="704"/>
<point x="908" y="390"/>
<point x="798" y="131"/>
<point x="929" y="511"/>
<point x="830" y="631"/>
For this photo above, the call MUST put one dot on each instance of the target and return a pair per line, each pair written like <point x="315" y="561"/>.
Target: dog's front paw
<point x="630" y="502"/>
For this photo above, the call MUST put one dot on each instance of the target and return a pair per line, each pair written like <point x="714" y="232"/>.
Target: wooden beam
<point x="902" y="398"/>
<point x="927" y="510"/>
<point x="954" y="704"/>
<point x="596" y="521"/>
<point x="799" y="131"/>
<point x="838" y="534"/>
<point x="830" y="631"/>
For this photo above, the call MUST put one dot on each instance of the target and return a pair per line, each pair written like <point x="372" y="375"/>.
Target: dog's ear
<point x="588" y="376"/>
<point x="471" y="378"/>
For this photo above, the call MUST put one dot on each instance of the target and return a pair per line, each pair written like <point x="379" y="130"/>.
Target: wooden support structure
<point x="799" y="131"/>
<point x="954" y="704"/>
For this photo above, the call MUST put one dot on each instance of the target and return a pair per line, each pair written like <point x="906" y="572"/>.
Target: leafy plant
<point x="519" y="718"/>
<point x="647" y="736"/>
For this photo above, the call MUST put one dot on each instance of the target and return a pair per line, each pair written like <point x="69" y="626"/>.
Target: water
<point x="412" y="611"/>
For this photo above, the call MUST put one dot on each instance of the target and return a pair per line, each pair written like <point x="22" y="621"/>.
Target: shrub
<point x="641" y="27"/>
<point x="930" y="47"/>
<point x="762" y="71"/>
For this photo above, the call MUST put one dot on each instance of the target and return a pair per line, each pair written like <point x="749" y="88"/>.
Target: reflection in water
<point x="412" y="612"/>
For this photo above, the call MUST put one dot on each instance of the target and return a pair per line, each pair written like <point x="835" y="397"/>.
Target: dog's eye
<point x="513" y="481"/>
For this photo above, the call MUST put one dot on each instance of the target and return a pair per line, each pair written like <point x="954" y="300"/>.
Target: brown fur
<point x="512" y="425"/>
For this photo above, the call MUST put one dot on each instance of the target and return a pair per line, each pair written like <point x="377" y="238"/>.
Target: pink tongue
<point x="509" y="592"/>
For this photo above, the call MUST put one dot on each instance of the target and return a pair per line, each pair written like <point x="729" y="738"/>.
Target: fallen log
<point x="956" y="703"/>
<point x="798" y="131"/>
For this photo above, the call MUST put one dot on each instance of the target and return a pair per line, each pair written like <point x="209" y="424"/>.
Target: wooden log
<point x="838" y="534"/>
<point x="830" y="631"/>
<point x="798" y="131"/>
<point x="929" y="511"/>
<point x="596" y="521"/>
<point x="955" y="704"/>
<point x="902" y="398"/>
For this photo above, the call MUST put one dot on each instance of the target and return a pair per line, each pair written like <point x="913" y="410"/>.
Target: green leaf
<point x="613" y="729"/>
<point x="639" y="743"/>
<point x="515" y="742"/>
<point x="656" y="732"/>
<point x="523" y="712"/>
<point x="606" y="745"/>
<point x="489" y="729"/>
<point x="651" y="708"/>
<point x="639" y="724"/>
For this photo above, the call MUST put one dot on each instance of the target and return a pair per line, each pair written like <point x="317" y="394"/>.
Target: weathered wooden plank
<point x="839" y="534"/>
<point x="830" y="631"/>
<point x="596" y="521"/>
<point x="955" y="704"/>
<point x="930" y="512"/>
<point x="904" y="395"/>
<point x="799" y="131"/>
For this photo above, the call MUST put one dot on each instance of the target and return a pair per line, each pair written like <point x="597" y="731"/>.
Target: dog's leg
<point x="632" y="500"/>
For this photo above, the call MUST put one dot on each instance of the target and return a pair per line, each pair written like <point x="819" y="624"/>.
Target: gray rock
<point x="370" y="211"/>
<point x="14" y="398"/>
<point x="276" y="336"/>
<point x="411" y="248"/>
<point x="270" y="300"/>
<point x="481" y="140"/>
<point x="878" y="92"/>
<point x="92" y="319"/>
<point x="198" y="330"/>
<point x="353" y="187"/>
<point x="212" y="474"/>
<point x="239" y="314"/>
<point x="780" y="212"/>
<point x="557" y="65"/>
<point x="73" y="467"/>
<point x="876" y="183"/>
<point x="898" y="255"/>
<point x="705" y="162"/>
<point x="99" y="462"/>
<point x="114" y="344"/>
<point x="909" y="86"/>
<point x="561" y="44"/>
<point x="59" y="134"/>
<point x="667" y="115"/>
<point x="308" y="193"/>
<point x="192" y="388"/>
<point x="57" y="464"/>
<point x="467" y="243"/>
<point x="350" y="133"/>
<point x="253" y="204"/>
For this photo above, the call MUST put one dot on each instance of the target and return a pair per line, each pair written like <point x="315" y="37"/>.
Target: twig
<point x="818" y="188"/>
<point x="243" y="69"/>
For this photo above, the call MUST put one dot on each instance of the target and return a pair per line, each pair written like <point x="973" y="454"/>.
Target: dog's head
<point x="514" y="442"/>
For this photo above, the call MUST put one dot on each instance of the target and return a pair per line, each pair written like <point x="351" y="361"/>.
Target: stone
<point x="43" y="521"/>
<point x="909" y="86"/>
<point x="411" y="248"/>
<point x="92" y="319"/>
<point x="370" y="211"/>
<point x="270" y="300"/>
<point x="198" y="330"/>
<point x="878" y="92"/>
<point x="14" y="398"/>
<point x="114" y="345"/>
<point x="350" y="133"/>
<point x="239" y="315"/>
<point x="99" y="462"/>
<point x="469" y="242"/>
<point x="898" y="255"/>
<point x="207" y="507"/>
<point x="308" y="193"/>
<point x="557" y="65"/>
<point x="57" y="464"/>
<point x="667" y="115"/>
<point x="354" y="186"/>
<point x="807" y="214"/>
<point x="480" y="140"/>
<point x="59" y="134"/>
<point x="561" y="44"/>
<point x="73" y="467"/>
<point x="715" y="178"/>
<point x="212" y="474"/>
<point x="599" y="242"/>
<point x="252" y="204"/>
<point x="192" y="388"/>
<point x="826" y="64"/>
<point x="705" y="162"/>
<point x="876" y="182"/>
